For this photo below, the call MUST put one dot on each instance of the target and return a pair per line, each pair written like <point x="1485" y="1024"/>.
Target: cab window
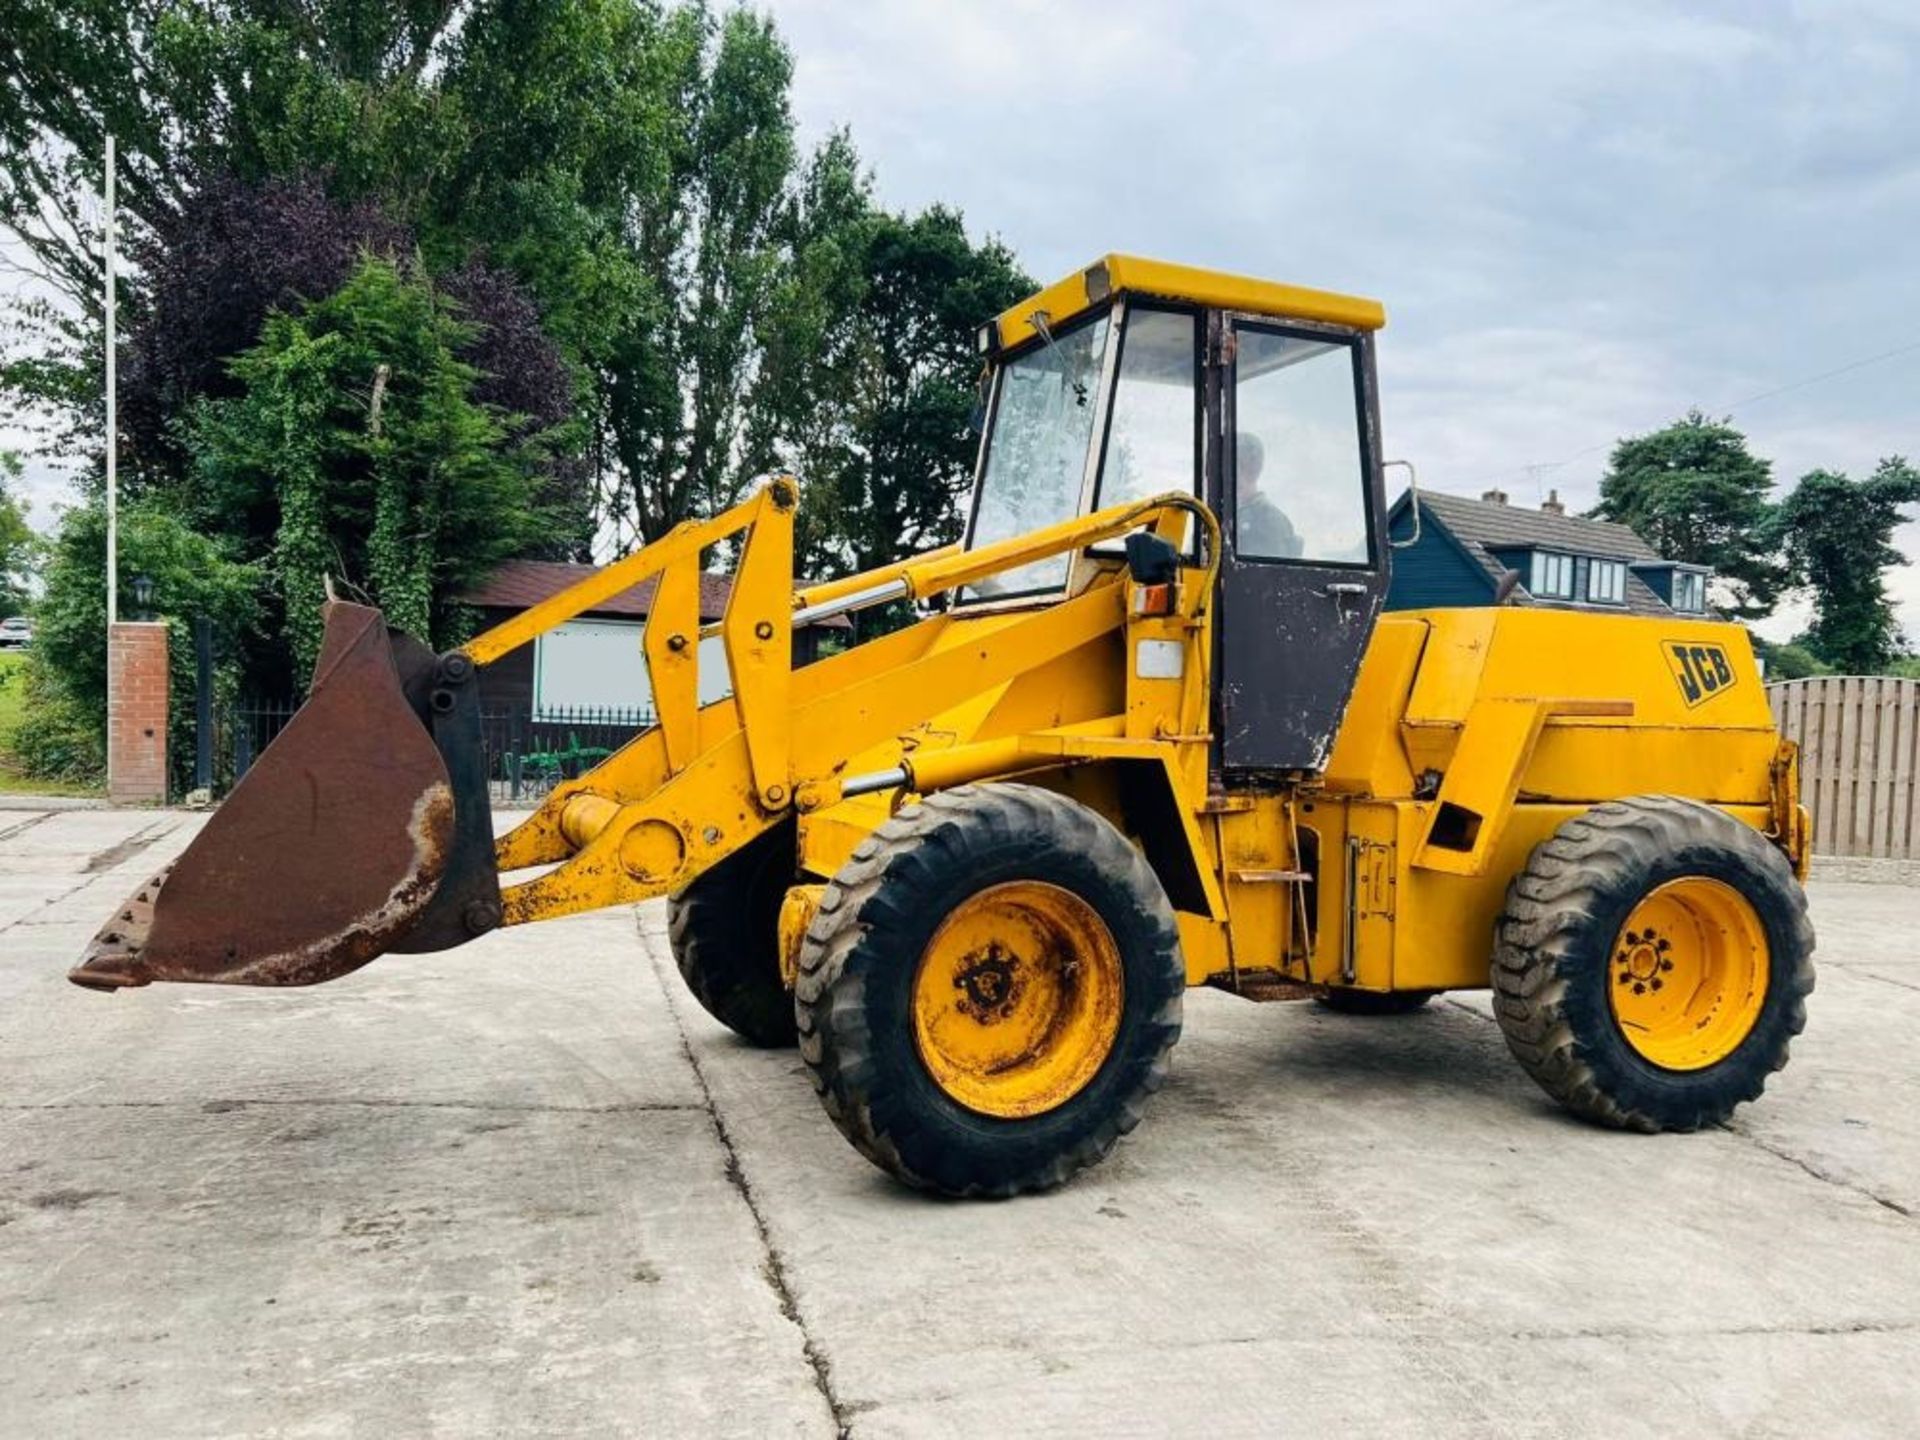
<point x="1153" y="439"/>
<point x="1300" y="480"/>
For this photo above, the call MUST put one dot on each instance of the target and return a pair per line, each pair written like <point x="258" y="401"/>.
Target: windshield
<point x="1037" y="452"/>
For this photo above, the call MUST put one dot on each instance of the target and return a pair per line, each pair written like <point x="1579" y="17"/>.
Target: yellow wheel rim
<point x="1017" y="1000"/>
<point x="1688" y="973"/>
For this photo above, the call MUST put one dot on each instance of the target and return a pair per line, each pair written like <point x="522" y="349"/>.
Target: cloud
<point x="1584" y="219"/>
<point x="44" y="484"/>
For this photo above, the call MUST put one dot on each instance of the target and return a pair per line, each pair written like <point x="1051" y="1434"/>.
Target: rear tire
<point x="725" y="933"/>
<point x="1375" y="1002"/>
<point x="1569" y="956"/>
<point x="890" y="1007"/>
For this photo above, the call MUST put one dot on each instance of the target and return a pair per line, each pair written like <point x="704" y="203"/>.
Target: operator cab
<point x="1136" y="377"/>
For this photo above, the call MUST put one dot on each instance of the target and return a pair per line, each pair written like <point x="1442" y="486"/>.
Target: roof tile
<point x="1499" y="526"/>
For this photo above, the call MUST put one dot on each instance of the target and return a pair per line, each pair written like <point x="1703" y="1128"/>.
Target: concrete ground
<point x="530" y="1188"/>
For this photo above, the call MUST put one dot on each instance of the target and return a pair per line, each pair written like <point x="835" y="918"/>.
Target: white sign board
<point x="598" y="665"/>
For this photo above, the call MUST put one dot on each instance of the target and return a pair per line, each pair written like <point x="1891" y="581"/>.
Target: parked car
<point x="16" y="633"/>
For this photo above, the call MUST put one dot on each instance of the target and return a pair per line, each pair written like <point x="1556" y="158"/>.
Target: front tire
<point x="1652" y="964"/>
<point x="989" y="991"/>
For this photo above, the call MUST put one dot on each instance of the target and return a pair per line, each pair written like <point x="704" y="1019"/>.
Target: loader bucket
<point x="329" y="850"/>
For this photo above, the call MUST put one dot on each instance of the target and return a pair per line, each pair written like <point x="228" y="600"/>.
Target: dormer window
<point x="1607" y="582"/>
<point x="1689" y="591"/>
<point x="1552" y="575"/>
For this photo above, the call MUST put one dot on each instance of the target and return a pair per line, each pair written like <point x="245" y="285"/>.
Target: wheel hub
<point x="990" y="983"/>
<point x="1643" y="961"/>
<point x="1017" y="1001"/>
<point x="1689" y="973"/>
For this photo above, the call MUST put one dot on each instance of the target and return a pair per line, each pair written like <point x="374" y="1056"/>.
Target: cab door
<point x="1298" y="482"/>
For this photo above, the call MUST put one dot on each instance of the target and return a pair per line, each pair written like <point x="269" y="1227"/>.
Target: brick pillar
<point x="137" y="712"/>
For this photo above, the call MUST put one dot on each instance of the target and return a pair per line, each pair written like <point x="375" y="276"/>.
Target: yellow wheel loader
<point x="1151" y="729"/>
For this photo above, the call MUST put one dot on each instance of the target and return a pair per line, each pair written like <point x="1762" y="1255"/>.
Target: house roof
<point x="521" y="584"/>
<point x="1482" y="526"/>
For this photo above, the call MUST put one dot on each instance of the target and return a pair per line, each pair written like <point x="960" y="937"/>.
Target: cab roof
<point x="1132" y="274"/>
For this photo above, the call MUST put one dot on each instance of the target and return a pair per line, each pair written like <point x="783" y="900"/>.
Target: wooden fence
<point x="1859" y="738"/>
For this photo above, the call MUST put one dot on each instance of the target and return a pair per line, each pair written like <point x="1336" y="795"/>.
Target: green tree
<point x="1787" y="660"/>
<point x="188" y="88"/>
<point x="356" y="450"/>
<point x="19" y="546"/>
<point x="702" y="231"/>
<point x="630" y="162"/>
<point x="191" y="88"/>
<point x="869" y="382"/>
<point x="1837" y="536"/>
<point x="1696" y="494"/>
<point x="193" y="576"/>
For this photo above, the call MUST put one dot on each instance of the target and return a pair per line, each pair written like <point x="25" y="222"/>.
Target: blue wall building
<point x="1478" y="552"/>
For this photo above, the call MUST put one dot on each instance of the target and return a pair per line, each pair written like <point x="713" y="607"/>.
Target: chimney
<point x="1495" y="497"/>
<point x="1553" y="505"/>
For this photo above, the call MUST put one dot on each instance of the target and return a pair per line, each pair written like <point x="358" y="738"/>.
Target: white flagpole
<point x="113" y="448"/>
<point x="113" y="430"/>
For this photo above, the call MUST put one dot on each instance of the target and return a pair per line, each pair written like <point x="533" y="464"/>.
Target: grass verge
<point x="13" y="665"/>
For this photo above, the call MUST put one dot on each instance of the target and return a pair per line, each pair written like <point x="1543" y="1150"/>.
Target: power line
<point x="1535" y="470"/>
<point x="1824" y="375"/>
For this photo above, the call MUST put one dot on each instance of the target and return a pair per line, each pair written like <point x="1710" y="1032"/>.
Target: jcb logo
<point x="1702" y="671"/>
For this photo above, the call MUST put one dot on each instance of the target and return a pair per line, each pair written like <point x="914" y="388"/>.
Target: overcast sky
<point x="1583" y="218"/>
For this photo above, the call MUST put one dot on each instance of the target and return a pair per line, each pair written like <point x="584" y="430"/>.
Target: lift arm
<point x="703" y="781"/>
<point x="365" y="826"/>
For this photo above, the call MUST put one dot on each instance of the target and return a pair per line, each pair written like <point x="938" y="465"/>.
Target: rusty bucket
<point x="337" y="844"/>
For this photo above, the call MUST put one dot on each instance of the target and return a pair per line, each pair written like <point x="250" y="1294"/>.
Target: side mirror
<point x="1152" y="560"/>
<point x="1413" y="490"/>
